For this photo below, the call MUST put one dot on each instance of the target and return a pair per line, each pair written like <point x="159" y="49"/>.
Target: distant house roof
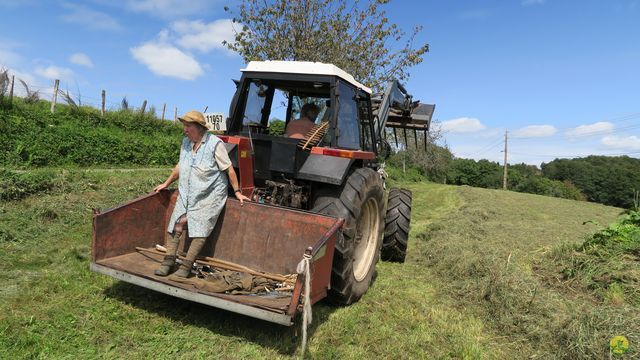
<point x="303" y="67"/>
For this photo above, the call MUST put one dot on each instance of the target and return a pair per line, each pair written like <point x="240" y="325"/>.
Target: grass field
<point x="481" y="281"/>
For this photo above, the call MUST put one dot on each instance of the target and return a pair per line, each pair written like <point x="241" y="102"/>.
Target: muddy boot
<point x="194" y="250"/>
<point x="170" y="257"/>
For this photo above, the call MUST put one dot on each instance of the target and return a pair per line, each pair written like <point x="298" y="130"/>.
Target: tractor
<point x="322" y="196"/>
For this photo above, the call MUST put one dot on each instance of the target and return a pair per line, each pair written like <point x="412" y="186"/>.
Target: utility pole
<point x="504" y="175"/>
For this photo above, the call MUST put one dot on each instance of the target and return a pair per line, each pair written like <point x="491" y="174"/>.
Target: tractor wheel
<point x="360" y="202"/>
<point x="397" y="221"/>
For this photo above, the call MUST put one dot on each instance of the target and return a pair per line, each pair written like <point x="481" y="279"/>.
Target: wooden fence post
<point x="55" y="95"/>
<point x="104" y="95"/>
<point x="144" y="105"/>
<point x="13" y="79"/>
<point x="164" y="107"/>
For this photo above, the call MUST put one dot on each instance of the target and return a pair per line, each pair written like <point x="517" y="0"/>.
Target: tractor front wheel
<point x="397" y="221"/>
<point x="360" y="202"/>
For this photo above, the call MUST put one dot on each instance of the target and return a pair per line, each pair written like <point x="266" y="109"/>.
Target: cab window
<point x="348" y="119"/>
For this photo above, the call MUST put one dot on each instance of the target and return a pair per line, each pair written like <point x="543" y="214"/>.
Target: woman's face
<point x="193" y="131"/>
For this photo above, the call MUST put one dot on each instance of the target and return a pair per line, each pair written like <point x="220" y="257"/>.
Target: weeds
<point x="607" y="262"/>
<point x="31" y="97"/>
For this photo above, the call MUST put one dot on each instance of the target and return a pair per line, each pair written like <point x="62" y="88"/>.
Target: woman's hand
<point x="162" y="186"/>
<point x="241" y="197"/>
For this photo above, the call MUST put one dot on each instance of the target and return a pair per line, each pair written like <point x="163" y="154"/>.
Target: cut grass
<point x="455" y="297"/>
<point x="492" y="256"/>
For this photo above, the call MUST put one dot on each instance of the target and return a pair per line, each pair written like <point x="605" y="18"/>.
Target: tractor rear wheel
<point x="397" y="221"/>
<point x="360" y="202"/>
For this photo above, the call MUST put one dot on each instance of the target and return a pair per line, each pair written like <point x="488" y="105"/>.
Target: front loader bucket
<point x="263" y="238"/>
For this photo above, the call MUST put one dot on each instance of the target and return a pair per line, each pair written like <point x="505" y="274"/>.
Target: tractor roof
<point x="303" y="67"/>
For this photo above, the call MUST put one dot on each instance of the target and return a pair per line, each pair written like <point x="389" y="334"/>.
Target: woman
<point x="202" y="190"/>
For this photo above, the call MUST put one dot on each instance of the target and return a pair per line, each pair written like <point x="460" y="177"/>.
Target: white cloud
<point x="462" y="125"/>
<point x="196" y="35"/>
<point x="8" y="57"/>
<point x="90" y="18"/>
<point x="81" y="59"/>
<point x="623" y="143"/>
<point x="601" y="127"/>
<point x="52" y="72"/>
<point x="18" y="89"/>
<point x="532" y="2"/>
<point x="166" y="60"/>
<point x="170" y="9"/>
<point x="535" y="131"/>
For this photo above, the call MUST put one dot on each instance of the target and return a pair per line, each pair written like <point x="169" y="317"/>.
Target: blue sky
<point x="561" y="76"/>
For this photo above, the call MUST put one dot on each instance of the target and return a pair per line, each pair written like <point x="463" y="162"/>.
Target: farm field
<point x="481" y="280"/>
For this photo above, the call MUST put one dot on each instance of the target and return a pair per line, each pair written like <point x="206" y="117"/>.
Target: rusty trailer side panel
<point x="264" y="238"/>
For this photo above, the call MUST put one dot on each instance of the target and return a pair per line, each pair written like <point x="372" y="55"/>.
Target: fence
<point x="11" y="86"/>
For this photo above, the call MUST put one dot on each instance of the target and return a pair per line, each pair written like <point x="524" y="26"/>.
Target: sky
<point x="561" y="77"/>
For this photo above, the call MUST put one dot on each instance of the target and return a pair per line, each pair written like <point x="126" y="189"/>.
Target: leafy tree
<point x="354" y="36"/>
<point x="431" y="164"/>
<point x="276" y="127"/>
<point x="483" y="173"/>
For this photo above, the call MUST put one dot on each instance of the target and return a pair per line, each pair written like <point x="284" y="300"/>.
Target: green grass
<point x="476" y="284"/>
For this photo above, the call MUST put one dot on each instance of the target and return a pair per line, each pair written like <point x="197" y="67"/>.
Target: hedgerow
<point x="30" y="136"/>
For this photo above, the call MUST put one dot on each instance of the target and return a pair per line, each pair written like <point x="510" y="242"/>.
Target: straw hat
<point x="194" y="116"/>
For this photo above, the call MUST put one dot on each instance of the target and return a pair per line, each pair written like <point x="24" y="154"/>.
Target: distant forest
<point x="603" y="179"/>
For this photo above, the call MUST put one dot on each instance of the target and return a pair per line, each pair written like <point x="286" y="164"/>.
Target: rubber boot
<point x="170" y="257"/>
<point x="194" y="250"/>
<point x="187" y="263"/>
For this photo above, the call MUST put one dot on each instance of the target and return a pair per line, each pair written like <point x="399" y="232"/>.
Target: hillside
<point x="480" y="281"/>
<point x="31" y="136"/>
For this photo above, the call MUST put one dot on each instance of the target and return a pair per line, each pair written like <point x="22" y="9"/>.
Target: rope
<point x="303" y="269"/>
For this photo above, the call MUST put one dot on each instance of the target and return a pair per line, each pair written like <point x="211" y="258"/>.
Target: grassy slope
<point x="455" y="296"/>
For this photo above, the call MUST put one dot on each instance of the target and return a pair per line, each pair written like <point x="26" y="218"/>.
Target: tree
<point x="276" y="127"/>
<point x="352" y="35"/>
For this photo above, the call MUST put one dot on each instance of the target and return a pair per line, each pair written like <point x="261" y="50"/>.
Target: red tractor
<point x="337" y="169"/>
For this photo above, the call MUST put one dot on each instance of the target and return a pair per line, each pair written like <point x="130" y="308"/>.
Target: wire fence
<point x="13" y="86"/>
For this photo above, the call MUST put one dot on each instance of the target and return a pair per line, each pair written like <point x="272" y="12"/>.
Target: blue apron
<point x="202" y="187"/>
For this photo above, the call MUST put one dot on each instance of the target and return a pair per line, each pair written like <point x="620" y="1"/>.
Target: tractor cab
<point x="271" y="92"/>
<point x="269" y="97"/>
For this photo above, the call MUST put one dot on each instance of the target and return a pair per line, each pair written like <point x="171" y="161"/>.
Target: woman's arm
<point x="233" y="180"/>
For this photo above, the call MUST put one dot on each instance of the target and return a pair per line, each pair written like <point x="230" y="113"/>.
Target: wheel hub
<point x="366" y="239"/>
